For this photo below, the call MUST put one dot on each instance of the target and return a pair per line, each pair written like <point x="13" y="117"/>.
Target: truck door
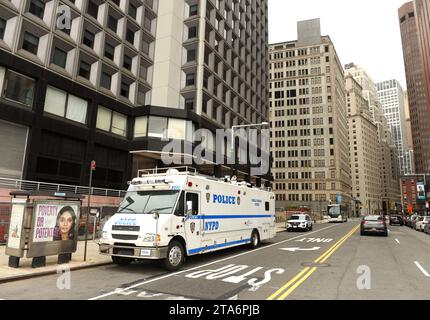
<point x="193" y="222"/>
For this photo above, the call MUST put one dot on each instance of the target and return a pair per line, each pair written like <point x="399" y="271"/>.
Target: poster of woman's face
<point x="55" y="222"/>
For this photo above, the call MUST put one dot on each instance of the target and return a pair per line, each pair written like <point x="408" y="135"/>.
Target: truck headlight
<point x="151" y="237"/>
<point x="104" y="235"/>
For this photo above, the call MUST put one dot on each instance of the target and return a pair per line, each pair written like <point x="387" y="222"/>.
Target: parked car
<point x="299" y="222"/>
<point x="421" y="222"/>
<point x="414" y="220"/>
<point x="373" y="224"/>
<point x="427" y="228"/>
<point x="395" y="219"/>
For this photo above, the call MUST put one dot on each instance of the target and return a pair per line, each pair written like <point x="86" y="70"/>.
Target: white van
<point x="173" y="213"/>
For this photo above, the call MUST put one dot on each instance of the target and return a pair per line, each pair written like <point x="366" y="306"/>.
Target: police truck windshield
<point x="148" y="202"/>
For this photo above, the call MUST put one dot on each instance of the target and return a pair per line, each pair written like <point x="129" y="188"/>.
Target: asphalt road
<point x="331" y="262"/>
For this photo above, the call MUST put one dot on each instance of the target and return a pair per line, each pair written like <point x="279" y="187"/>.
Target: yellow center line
<point x="302" y="276"/>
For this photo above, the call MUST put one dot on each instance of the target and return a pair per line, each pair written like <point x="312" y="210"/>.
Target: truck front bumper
<point x="152" y="253"/>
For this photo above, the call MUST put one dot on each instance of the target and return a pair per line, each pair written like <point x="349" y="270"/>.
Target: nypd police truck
<point x="173" y="213"/>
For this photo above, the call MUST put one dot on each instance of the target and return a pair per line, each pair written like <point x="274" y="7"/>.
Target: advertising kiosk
<point x="43" y="224"/>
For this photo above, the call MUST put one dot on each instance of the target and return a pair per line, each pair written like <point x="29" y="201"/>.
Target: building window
<point x="109" y="51"/>
<point x="132" y="11"/>
<point x="84" y="70"/>
<point x="176" y="129"/>
<point x="192" y="32"/>
<point x="127" y="62"/>
<point x="106" y="80"/>
<point x="194" y="10"/>
<point x="37" y="7"/>
<point x="140" y="127"/>
<point x="65" y="105"/>
<point x="190" y="81"/>
<point x="111" y="121"/>
<point x="157" y="127"/>
<point x="112" y="23"/>
<point x="130" y="36"/>
<point x="191" y="55"/>
<point x="189" y="104"/>
<point x="30" y="43"/>
<point x="145" y="47"/>
<point x="116" y="2"/>
<point x="19" y="88"/>
<point x="59" y="58"/>
<point x="125" y="89"/>
<point x="92" y="9"/>
<point x="2" y="27"/>
<point x="88" y="39"/>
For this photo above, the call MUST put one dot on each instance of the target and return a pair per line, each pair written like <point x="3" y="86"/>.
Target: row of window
<point x="20" y="89"/>
<point x="304" y="197"/>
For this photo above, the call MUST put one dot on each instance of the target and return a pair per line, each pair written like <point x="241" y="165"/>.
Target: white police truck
<point x="175" y="212"/>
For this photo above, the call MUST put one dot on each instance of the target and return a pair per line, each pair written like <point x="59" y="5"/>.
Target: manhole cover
<point x="312" y="264"/>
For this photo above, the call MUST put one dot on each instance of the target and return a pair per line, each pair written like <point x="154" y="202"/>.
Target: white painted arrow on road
<point x="300" y="249"/>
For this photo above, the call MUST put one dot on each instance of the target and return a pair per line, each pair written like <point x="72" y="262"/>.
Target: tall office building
<point x="422" y="12"/>
<point x="416" y="79"/>
<point x="388" y="161"/>
<point x="392" y="99"/>
<point x="309" y="135"/>
<point x="116" y="81"/>
<point x="409" y="155"/>
<point x="364" y="150"/>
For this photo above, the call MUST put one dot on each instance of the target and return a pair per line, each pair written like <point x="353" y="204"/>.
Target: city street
<point x="331" y="262"/>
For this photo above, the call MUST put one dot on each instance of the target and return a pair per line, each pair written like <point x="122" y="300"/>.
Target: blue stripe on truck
<point x="221" y="245"/>
<point x="202" y="217"/>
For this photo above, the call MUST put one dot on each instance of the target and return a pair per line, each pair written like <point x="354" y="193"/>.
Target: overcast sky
<point x="365" y="32"/>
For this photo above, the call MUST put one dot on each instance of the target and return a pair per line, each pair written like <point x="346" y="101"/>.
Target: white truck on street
<point x="173" y="213"/>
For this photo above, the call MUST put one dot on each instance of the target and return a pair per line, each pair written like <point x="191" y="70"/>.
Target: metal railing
<point x="16" y="184"/>
<point x="168" y="170"/>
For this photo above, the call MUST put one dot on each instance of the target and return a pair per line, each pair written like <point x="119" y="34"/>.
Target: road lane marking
<point x="422" y="269"/>
<point x="397" y="240"/>
<point x="208" y="264"/>
<point x="300" y="249"/>
<point x="323" y="259"/>
<point x="306" y="272"/>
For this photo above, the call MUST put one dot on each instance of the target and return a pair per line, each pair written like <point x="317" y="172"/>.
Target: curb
<point x="49" y="272"/>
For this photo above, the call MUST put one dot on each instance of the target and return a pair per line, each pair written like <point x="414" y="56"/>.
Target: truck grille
<point x="123" y="252"/>
<point x="125" y="236"/>
<point x="125" y="228"/>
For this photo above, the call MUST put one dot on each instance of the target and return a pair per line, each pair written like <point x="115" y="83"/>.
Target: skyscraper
<point x="422" y="12"/>
<point x="364" y="150"/>
<point x="115" y="81"/>
<point x="309" y="121"/>
<point x="415" y="78"/>
<point x="392" y="99"/>
<point x="388" y="161"/>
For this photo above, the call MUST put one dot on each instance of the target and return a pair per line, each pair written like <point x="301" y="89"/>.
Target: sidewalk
<point x="25" y="270"/>
<point x="93" y="259"/>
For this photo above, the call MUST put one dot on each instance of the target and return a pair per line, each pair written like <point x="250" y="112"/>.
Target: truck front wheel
<point x="175" y="256"/>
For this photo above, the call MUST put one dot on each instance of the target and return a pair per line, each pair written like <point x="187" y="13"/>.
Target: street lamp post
<point x="233" y="153"/>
